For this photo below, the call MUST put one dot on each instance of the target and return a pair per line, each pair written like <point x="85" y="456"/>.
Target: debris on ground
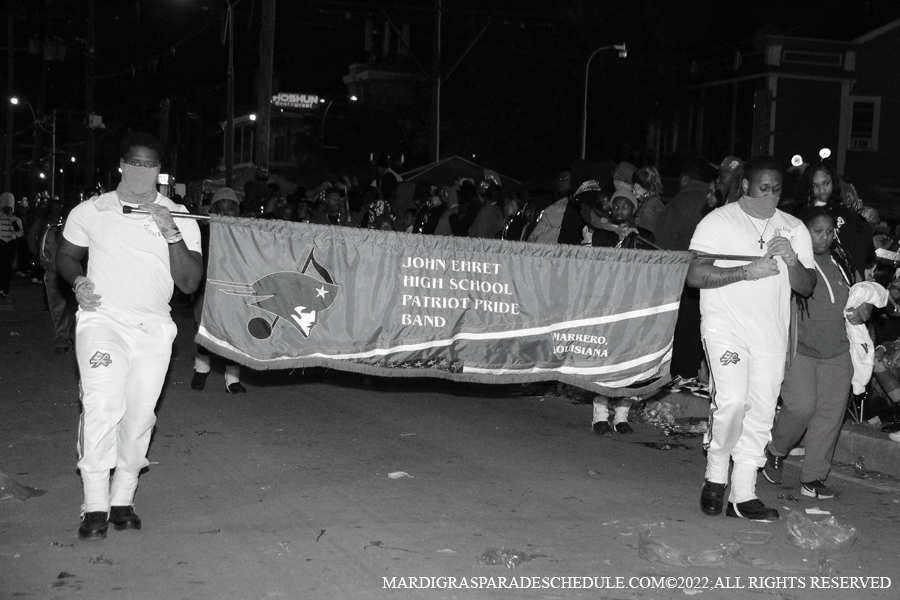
<point x="827" y="534"/>
<point x="858" y="469"/>
<point x="504" y="556"/>
<point x="10" y="488"/>
<point x="665" y="445"/>
<point x="399" y="474"/>
<point x="654" y="550"/>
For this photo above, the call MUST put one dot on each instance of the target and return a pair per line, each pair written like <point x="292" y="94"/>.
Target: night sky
<point x="514" y="101"/>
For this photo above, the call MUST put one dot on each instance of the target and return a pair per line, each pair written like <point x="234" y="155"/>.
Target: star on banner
<point x="321" y="292"/>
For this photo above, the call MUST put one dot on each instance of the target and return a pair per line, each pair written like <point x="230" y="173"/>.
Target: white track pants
<point x="745" y="385"/>
<point x="123" y="366"/>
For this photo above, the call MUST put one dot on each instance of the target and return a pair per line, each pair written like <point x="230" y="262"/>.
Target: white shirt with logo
<point x="755" y="312"/>
<point x="128" y="258"/>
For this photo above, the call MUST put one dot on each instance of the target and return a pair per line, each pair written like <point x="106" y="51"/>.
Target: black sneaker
<point x="236" y="388"/>
<point x="712" y="498"/>
<point x="816" y="489"/>
<point x="624" y="427"/>
<point x="93" y="526"/>
<point x="754" y="510"/>
<point x="602" y="428"/>
<point x="123" y="517"/>
<point x="198" y="381"/>
<point x="773" y="470"/>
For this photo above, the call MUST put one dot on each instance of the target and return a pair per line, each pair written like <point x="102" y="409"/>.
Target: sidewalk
<point x="868" y="442"/>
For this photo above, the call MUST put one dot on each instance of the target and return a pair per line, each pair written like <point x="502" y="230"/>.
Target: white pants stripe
<point x="123" y="366"/>
<point x="746" y="384"/>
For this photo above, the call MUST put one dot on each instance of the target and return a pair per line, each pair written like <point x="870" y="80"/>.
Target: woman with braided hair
<point x="817" y="382"/>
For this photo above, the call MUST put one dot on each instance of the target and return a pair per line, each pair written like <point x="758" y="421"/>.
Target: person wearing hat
<point x="10" y="230"/>
<point x="225" y="203"/>
<point x="622" y="176"/>
<point x="626" y="235"/>
<point x="725" y="177"/>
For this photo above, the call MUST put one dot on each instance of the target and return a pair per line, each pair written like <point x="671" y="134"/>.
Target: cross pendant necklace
<point x="762" y="242"/>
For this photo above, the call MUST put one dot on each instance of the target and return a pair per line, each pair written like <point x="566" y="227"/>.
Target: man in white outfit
<point x="745" y="312"/>
<point x="124" y="332"/>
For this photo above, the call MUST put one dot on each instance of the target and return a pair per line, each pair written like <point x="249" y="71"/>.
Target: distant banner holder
<point x="178" y="215"/>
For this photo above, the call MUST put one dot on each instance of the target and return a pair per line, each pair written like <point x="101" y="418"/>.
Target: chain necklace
<point x="762" y="242"/>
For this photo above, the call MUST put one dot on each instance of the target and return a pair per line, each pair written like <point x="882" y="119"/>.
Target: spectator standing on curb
<point x="10" y="231"/>
<point x="60" y="299"/>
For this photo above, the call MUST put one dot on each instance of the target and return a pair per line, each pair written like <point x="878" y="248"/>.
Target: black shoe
<point x="602" y="428"/>
<point x="624" y="427"/>
<point x="754" y="510"/>
<point x="712" y="498"/>
<point x="816" y="489"/>
<point x="236" y="388"/>
<point x="93" y="526"/>
<point x="198" y="381"/>
<point x="123" y="517"/>
<point x="772" y="471"/>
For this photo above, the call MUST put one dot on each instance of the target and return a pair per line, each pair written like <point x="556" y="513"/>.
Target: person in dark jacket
<point x="674" y="230"/>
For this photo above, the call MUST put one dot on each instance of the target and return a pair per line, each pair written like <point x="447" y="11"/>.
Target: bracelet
<point x="175" y="238"/>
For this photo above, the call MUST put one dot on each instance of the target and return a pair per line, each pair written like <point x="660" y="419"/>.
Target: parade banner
<point x="283" y="295"/>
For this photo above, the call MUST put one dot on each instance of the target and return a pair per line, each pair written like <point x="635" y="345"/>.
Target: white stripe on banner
<point x="643" y="312"/>
<point x="623" y="366"/>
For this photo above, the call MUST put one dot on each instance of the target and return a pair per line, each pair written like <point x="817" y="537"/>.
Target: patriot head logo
<point x="297" y="298"/>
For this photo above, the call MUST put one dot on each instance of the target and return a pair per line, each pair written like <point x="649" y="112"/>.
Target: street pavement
<point x="287" y="492"/>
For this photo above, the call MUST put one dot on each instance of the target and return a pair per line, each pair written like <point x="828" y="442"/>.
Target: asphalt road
<point x="285" y="492"/>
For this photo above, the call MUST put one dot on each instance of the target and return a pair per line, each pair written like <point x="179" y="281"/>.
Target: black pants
<point x="7" y="256"/>
<point x="687" y="349"/>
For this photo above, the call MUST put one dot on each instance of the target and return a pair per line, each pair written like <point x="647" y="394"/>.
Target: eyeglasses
<point x="147" y="164"/>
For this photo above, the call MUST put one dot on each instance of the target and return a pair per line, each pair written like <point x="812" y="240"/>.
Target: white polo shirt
<point x="128" y="258"/>
<point x="756" y="312"/>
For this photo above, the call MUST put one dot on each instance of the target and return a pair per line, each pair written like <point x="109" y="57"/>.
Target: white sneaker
<point x="895" y="437"/>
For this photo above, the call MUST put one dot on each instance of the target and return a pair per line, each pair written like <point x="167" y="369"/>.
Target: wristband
<point x="175" y="238"/>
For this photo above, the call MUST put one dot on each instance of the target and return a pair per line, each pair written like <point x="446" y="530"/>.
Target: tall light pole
<point x="325" y="114"/>
<point x="622" y="54"/>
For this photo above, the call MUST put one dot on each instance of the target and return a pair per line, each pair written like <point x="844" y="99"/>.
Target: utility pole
<point x="89" y="100"/>
<point x="39" y="124"/>
<point x="10" y="42"/>
<point x="229" y="110"/>
<point x="434" y="142"/>
<point x="264" y="103"/>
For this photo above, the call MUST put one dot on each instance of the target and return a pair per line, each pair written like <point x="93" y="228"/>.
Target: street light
<point x="623" y="52"/>
<point x="41" y="123"/>
<point x="325" y="114"/>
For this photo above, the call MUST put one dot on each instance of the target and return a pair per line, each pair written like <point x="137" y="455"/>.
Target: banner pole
<point x="177" y="215"/>
<point x="725" y="256"/>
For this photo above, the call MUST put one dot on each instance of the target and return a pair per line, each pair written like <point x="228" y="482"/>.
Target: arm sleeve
<point x="707" y="233"/>
<point x="75" y="230"/>
<point x="803" y="248"/>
